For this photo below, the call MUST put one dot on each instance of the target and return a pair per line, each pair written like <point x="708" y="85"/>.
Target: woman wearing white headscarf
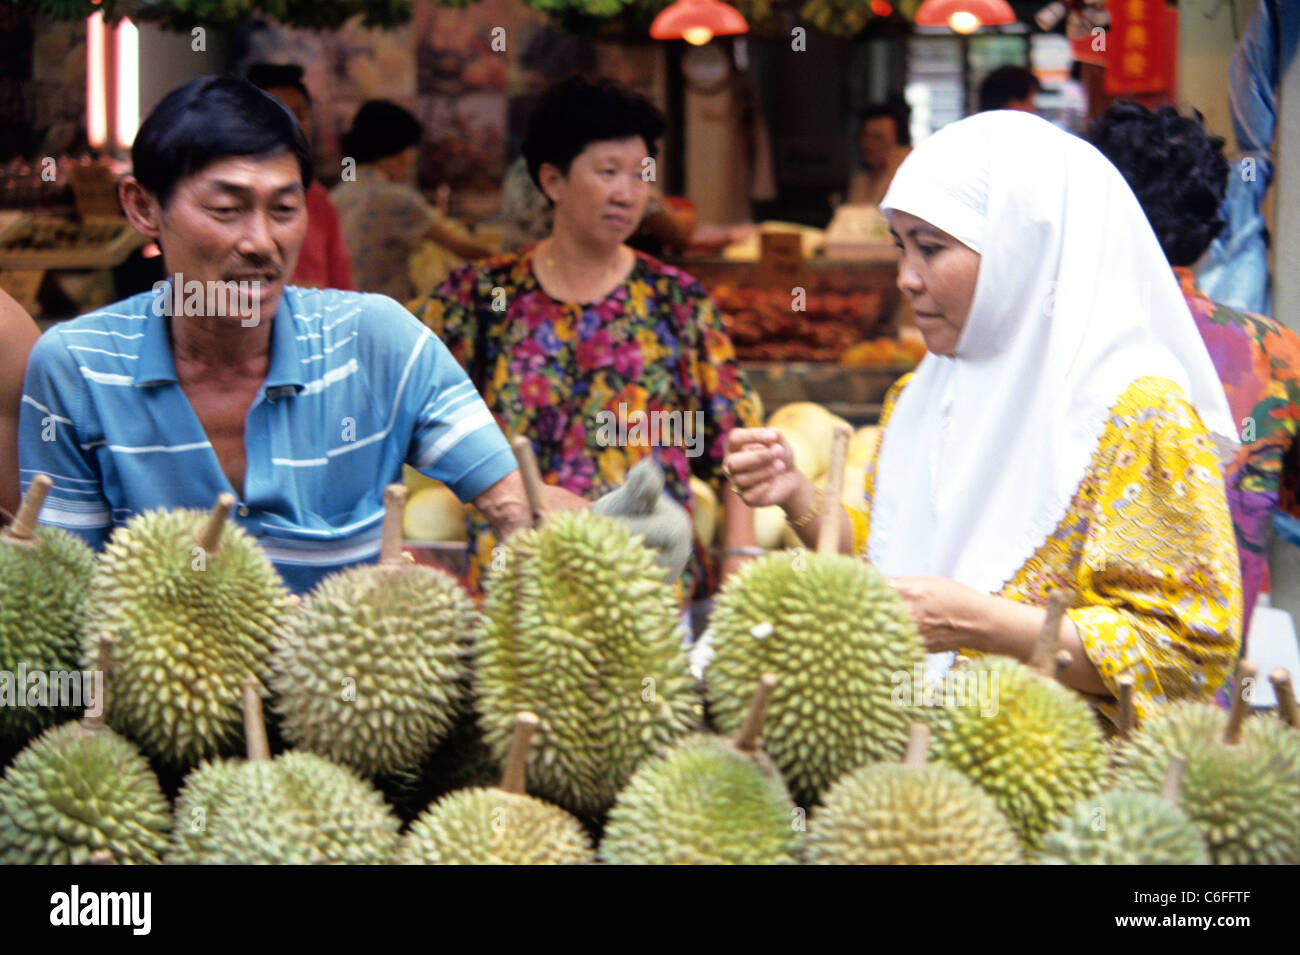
<point x="1064" y="431"/>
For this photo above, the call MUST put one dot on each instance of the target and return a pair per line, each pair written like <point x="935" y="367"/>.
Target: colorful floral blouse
<point x="1147" y="546"/>
<point x="1258" y="361"/>
<point x="597" y="387"/>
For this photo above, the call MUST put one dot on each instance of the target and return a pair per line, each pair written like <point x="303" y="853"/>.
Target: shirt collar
<point x="284" y="376"/>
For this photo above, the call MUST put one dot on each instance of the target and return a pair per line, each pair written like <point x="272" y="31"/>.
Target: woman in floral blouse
<point x="1066" y="431"/>
<point x="600" y="355"/>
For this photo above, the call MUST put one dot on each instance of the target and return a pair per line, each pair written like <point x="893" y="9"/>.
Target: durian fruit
<point x="195" y="607"/>
<point x="374" y="670"/>
<point x="1242" y="784"/>
<point x="707" y="801"/>
<point x="1041" y="752"/>
<point x="809" y="428"/>
<point x="44" y="578"/>
<point x="297" y="809"/>
<point x="580" y="628"/>
<point x="435" y="514"/>
<point x="81" y="793"/>
<point x="1129" y="828"/>
<point x="835" y="634"/>
<point x="911" y="813"/>
<point x="500" y="826"/>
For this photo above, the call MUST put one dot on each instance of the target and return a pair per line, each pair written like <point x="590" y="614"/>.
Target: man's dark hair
<point x="274" y="76"/>
<point x="1007" y="84"/>
<point x="380" y="129"/>
<point x="896" y="110"/>
<point x="1175" y="168"/>
<point x="211" y="118"/>
<point x="573" y="114"/>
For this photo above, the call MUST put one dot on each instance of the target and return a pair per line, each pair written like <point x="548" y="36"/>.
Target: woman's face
<point x="603" y="197"/>
<point x="937" y="274"/>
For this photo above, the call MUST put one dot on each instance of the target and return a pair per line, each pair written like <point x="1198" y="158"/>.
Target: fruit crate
<point x="58" y="242"/>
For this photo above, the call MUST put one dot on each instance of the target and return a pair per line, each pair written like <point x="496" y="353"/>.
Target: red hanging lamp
<point x="964" y="16"/>
<point x="697" y="21"/>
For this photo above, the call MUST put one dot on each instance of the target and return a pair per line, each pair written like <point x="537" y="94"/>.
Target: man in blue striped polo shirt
<point x="303" y="403"/>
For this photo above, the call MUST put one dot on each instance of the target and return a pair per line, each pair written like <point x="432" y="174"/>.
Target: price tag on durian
<point x="780" y="257"/>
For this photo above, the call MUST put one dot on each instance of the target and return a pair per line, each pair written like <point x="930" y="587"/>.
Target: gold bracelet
<point x="812" y="512"/>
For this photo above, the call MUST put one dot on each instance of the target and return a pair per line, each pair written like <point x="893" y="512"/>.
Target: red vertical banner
<point x="1141" y="47"/>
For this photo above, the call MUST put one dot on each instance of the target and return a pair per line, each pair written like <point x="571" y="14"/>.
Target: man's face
<point x="239" y="219"/>
<point x="875" y="141"/>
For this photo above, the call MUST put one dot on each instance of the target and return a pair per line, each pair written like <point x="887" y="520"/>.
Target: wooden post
<point x="1173" y="784"/>
<point x="1237" y="714"/>
<point x="390" y="551"/>
<point x="23" y="529"/>
<point x="528" y="470"/>
<point x="828" y="535"/>
<point x="751" y="729"/>
<point x="1286" y="704"/>
<point x="1127" y="714"/>
<point x="918" y="745"/>
<point x="209" y="538"/>
<point x="513" y="778"/>
<point x="254" y="722"/>
<point x="1049" y="637"/>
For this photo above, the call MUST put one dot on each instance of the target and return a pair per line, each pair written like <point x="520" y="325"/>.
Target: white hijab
<point x="1074" y="301"/>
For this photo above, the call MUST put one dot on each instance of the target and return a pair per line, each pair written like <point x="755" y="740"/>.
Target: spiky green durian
<point x="892" y="814"/>
<point x="1125" y="828"/>
<point x="702" y="803"/>
<point x="43" y="587"/>
<point x="374" y="670"/>
<point x="191" y="623"/>
<point x="78" y="791"/>
<point x="580" y="628"/>
<point x="1242" y="797"/>
<point x="836" y="635"/>
<point x="297" y="809"/>
<point x="494" y="827"/>
<point x="1038" y="753"/>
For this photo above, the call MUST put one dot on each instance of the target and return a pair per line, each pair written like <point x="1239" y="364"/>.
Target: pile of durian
<point x="384" y="718"/>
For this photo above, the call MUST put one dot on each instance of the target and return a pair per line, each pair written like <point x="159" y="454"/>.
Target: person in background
<point x="384" y="219"/>
<point x="1009" y="87"/>
<point x="323" y="261"/>
<point x="575" y="340"/>
<point x="884" y="140"/>
<point x="1179" y="174"/>
<point x="18" y="333"/>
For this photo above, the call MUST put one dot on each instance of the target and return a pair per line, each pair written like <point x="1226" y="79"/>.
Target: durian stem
<point x="746" y="739"/>
<point x="254" y="722"/>
<point x="1286" y="705"/>
<point x="1172" y="789"/>
<point x="523" y="449"/>
<point x="1050" y="636"/>
<point x="390" y="551"/>
<point x="513" y="777"/>
<point x="209" y="538"/>
<point x="23" y="529"/>
<point x="918" y="745"/>
<point x="828" y="533"/>
<point x="1127" y="715"/>
<point x="1063" y="661"/>
<point x="104" y="662"/>
<point x="1246" y="671"/>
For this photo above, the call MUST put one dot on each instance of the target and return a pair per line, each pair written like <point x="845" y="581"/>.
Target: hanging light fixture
<point x="964" y="16"/>
<point x="697" y="21"/>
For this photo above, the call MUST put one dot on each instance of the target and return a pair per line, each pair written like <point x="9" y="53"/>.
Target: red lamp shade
<point x="964" y="16"/>
<point x="697" y="21"/>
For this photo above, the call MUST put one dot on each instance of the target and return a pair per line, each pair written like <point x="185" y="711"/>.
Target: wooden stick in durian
<point x="747" y="737"/>
<point x="828" y="534"/>
<point x="1246" y="671"/>
<point x="1286" y="704"/>
<point x="513" y="777"/>
<point x="918" y="745"/>
<point x="209" y="538"/>
<point x="254" y="722"/>
<point x="528" y="470"/>
<point x="1049" y="637"/>
<point x="1172" y="789"/>
<point x="1127" y="714"/>
<point x="23" y="530"/>
<point x="104" y="662"/>
<point x="390" y="550"/>
<point x="1061" y="664"/>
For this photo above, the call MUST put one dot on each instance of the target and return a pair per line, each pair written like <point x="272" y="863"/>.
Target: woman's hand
<point x="946" y="613"/>
<point x="760" y="467"/>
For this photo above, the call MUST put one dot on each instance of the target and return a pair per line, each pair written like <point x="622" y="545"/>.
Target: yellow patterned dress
<point x="1148" y="548"/>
